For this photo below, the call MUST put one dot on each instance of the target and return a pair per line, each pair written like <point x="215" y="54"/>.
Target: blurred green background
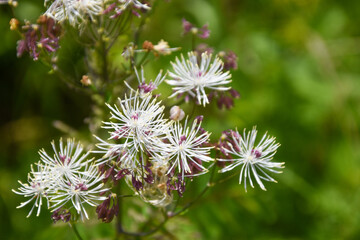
<point x="299" y="79"/>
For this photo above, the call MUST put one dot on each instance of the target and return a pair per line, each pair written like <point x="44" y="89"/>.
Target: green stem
<point x="73" y="227"/>
<point x="193" y="41"/>
<point x="143" y="59"/>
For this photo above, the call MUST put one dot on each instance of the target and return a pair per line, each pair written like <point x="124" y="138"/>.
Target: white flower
<point x="139" y="125"/>
<point x="67" y="176"/>
<point x="75" y="11"/>
<point x="85" y="188"/>
<point x="186" y="150"/>
<point x="67" y="161"/>
<point x="193" y="79"/>
<point x="36" y="188"/>
<point x="252" y="159"/>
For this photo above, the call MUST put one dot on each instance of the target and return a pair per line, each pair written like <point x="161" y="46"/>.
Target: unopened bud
<point x="147" y="45"/>
<point x="14" y="24"/>
<point x="42" y="19"/>
<point x="85" y="80"/>
<point x="194" y="30"/>
<point x="221" y="54"/>
<point x="176" y="113"/>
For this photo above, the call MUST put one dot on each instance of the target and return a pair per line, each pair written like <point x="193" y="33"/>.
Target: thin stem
<point x="208" y="185"/>
<point x="73" y="227"/>
<point x="119" y="216"/>
<point x="193" y="41"/>
<point x="143" y="59"/>
<point x="141" y="234"/>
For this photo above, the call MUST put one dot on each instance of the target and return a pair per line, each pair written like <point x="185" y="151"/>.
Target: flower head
<point x="36" y="188"/>
<point x="75" y="11"/>
<point x="193" y="78"/>
<point x="186" y="149"/>
<point x="253" y="159"/>
<point x="67" y="161"/>
<point x="139" y="126"/>
<point x="65" y="177"/>
<point x="86" y="187"/>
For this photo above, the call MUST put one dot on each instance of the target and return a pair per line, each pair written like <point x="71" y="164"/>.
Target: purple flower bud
<point x="204" y="32"/>
<point x="230" y="61"/>
<point x="234" y="93"/>
<point x="122" y="173"/>
<point x="225" y="101"/>
<point x="187" y="26"/>
<point x="108" y="209"/>
<point x="136" y="183"/>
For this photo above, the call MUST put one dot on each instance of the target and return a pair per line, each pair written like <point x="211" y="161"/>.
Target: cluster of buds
<point x="225" y="99"/>
<point x="43" y="36"/>
<point x="108" y="208"/>
<point x="202" y="32"/>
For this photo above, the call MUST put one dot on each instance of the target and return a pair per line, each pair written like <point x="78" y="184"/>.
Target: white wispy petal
<point x="185" y="144"/>
<point x="66" y="176"/>
<point x="74" y="11"/>
<point x="252" y="159"/>
<point x="192" y="78"/>
<point x="139" y="126"/>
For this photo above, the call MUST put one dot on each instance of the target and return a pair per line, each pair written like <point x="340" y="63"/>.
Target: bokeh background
<point x="299" y="79"/>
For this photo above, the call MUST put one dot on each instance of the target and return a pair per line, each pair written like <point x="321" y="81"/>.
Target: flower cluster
<point x="155" y="154"/>
<point x="145" y="140"/>
<point x="66" y="181"/>
<point x="43" y="36"/>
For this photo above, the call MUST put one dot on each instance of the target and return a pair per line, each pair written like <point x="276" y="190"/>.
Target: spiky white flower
<point x="85" y="188"/>
<point x="36" y="188"/>
<point x="252" y="159"/>
<point x="144" y="88"/>
<point x="67" y="161"/>
<point x="185" y="149"/>
<point x="192" y="78"/>
<point x="139" y="125"/>
<point x="65" y="176"/>
<point x="75" y="11"/>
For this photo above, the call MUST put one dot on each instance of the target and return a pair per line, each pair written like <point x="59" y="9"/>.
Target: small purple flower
<point x="43" y="35"/>
<point x="230" y="61"/>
